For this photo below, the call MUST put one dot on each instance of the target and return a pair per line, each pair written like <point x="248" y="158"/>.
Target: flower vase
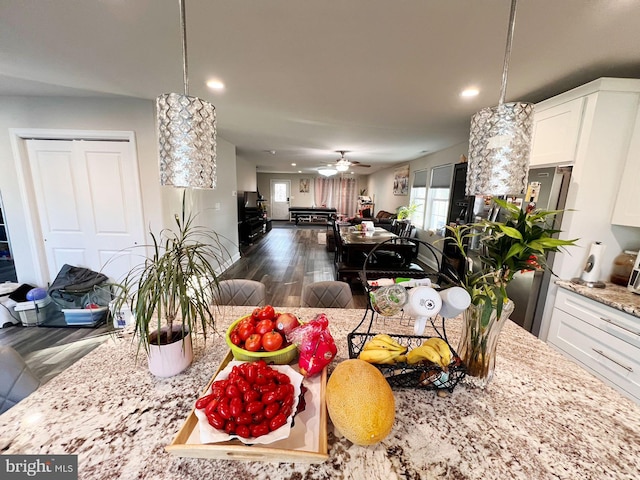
<point x="479" y="340"/>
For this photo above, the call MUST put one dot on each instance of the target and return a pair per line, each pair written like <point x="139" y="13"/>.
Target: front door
<point x="88" y="203"/>
<point x="280" y="190"/>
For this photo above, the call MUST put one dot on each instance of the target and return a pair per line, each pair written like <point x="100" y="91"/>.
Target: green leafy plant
<point x="405" y="212"/>
<point x="178" y="283"/>
<point x="520" y="243"/>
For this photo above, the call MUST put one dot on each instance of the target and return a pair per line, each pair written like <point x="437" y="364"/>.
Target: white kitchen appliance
<point x="634" y="280"/>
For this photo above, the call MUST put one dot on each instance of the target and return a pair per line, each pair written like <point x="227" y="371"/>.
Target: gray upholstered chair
<point x="16" y="379"/>
<point x="330" y="294"/>
<point x="240" y="291"/>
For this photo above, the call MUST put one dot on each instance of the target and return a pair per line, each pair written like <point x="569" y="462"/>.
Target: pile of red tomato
<point x="252" y="401"/>
<point x="259" y="331"/>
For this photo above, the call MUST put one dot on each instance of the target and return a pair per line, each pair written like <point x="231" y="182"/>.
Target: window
<point x="280" y="192"/>
<point x="438" y="198"/>
<point x="418" y="196"/>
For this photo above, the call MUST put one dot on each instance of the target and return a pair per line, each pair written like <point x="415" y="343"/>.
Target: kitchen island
<point x="542" y="417"/>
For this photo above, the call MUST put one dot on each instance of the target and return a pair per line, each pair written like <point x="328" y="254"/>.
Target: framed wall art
<point x="304" y="185"/>
<point x="401" y="181"/>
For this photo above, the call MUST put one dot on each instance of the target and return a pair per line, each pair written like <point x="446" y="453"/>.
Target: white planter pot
<point x="170" y="360"/>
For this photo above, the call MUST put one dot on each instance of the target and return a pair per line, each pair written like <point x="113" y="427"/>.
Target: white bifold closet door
<point x="89" y="207"/>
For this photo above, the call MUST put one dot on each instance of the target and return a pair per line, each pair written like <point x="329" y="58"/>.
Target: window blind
<point x="420" y="179"/>
<point x="441" y="176"/>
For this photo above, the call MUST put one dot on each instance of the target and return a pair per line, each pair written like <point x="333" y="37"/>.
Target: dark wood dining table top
<point x="358" y="237"/>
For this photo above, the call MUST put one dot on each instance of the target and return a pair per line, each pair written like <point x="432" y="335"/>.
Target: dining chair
<point x="240" y="291"/>
<point x="17" y="381"/>
<point x="403" y="229"/>
<point x="337" y="256"/>
<point x="328" y="294"/>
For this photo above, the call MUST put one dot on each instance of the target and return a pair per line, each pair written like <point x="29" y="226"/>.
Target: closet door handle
<point x="600" y="352"/>
<point x="608" y="320"/>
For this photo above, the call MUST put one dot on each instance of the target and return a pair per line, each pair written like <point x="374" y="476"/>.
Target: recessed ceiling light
<point x="299" y="171"/>
<point x="215" y="85"/>
<point x="293" y="164"/>
<point x="469" y="92"/>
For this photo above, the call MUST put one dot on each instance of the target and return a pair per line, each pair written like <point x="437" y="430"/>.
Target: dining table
<point x="357" y="243"/>
<point x="541" y="417"/>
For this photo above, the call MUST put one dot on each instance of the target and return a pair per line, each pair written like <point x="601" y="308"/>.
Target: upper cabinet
<point x="626" y="210"/>
<point x="556" y="130"/>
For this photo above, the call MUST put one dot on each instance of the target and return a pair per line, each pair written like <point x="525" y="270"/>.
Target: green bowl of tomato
<point x="251" y="345"/>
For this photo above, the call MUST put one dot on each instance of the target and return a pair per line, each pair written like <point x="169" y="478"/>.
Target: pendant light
<point x="500" y="140"/>
<point x="186" y="133"/>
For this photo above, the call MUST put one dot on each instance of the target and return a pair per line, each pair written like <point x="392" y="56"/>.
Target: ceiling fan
<point x="343" y="164"/>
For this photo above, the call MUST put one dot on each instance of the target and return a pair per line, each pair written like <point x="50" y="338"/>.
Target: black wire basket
<point x="423" y="375"/>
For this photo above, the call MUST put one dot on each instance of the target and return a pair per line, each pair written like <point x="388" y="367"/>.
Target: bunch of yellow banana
<point x="384" y="350"/>
<point x="434" y="350"/>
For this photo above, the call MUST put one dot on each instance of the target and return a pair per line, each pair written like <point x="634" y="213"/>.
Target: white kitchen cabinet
<point x="626" y="210"/>
<point x="609" y="112"/>
<point x="602" y="339"/>
<point x="556" y="131"/>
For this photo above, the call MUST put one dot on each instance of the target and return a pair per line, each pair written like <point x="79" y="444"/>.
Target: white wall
<point x="297" y="198"/>
<point x="380" y="188"/>
<point x="246" y="175"/>
<point x="215" y="209"/>
<point x="71" y="113"/>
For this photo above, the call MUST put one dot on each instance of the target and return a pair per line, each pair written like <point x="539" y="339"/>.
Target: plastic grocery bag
<point x="315" y="345"/>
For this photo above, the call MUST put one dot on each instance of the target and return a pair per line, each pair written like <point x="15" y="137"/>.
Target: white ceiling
<point x="379" y="78"/>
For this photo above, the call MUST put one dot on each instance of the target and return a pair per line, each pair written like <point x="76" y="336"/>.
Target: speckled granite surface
<point x="542" y="417"/>
<point x="612" y="295"/>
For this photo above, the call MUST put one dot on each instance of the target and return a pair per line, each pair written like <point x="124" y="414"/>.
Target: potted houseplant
<point x="405" y="212"/>
<point x="519" y="243"/>
<point x="172" y="294"/>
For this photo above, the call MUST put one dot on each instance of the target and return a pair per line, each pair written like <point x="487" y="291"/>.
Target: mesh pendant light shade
<point x="187" y="141"/>
<point x="500" y="140"/>
<point x="499" y="148"/>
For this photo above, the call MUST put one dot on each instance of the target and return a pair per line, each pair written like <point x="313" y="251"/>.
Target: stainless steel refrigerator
<point x="547" y="188"/>
<point x="529" y="290"/>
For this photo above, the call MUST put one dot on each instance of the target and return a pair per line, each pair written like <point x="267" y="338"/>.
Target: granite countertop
<point x="612" y="295"/>
<point x="542" y="417"/>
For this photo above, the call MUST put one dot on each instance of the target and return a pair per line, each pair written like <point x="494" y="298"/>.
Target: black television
<point x="251" y="199"/>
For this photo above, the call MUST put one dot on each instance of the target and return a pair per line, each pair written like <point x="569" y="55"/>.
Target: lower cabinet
<point x="252" y="228"/>
<point x="602" y="339"/>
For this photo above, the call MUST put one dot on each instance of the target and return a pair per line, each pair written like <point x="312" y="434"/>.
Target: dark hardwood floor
<point x="285" y="259"/>
<point x="288" y="258"/>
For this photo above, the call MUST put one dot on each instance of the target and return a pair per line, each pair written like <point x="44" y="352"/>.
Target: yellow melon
<point x="360" y="402"/>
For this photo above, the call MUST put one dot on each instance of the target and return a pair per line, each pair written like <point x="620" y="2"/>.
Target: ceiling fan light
<point x="342" y="167"/>
<point x="327" y="172"/>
